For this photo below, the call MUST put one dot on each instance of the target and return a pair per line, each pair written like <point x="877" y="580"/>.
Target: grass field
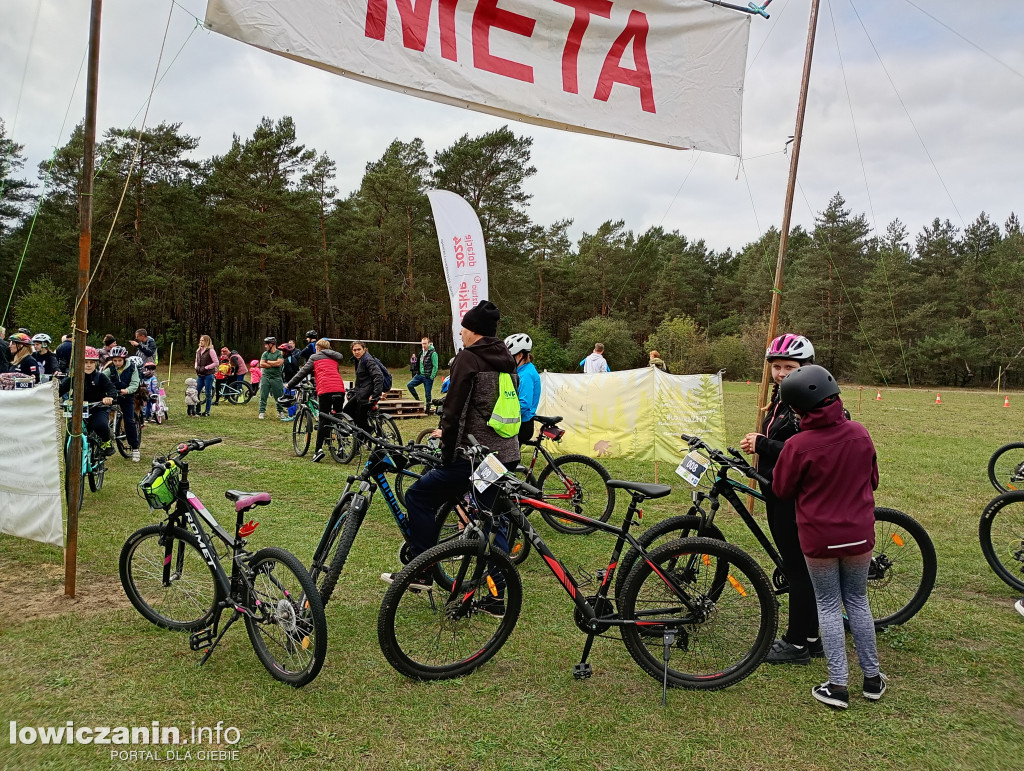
<point x="955" y="698"/>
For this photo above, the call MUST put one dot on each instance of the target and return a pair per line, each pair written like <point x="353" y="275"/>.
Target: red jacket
<point x="325" y="368"/>
<point x="831" y="469"/>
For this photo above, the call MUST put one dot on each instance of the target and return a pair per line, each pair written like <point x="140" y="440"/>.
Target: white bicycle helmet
<point x="43" y="338"/>
<point x="792" y="347"/>
<point x="136" y="360"/>
<point x="519" y="343"/>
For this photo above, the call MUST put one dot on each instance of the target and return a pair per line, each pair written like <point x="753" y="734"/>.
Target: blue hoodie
<point x="529" y="390"/>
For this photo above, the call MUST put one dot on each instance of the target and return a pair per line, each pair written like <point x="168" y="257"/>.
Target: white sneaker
<point x="1019" y="606"/>
<point x="135" y="456"/>
<point x="262" y="416"/>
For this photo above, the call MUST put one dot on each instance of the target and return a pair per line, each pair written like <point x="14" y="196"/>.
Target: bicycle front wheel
<point x="302" y="431"/>
<point x="352" y="519"/>
<point x="389" y="429"/>
<point x="1006" y="468"/>
<point x="440" y="634"/>
<point x="167" y="580"/>
<point x="98" y="470"/>
<point x="903" y="568"/>
<point x="285" y="622"/>
<point x="723" y="629"/>
<point x="579" y="484"/>
<point x="1002" y="537"/>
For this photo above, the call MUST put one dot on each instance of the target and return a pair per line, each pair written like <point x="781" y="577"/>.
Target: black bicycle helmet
<point x="270" y="341"/>
<point x="312" y="335"/>
<point x="806" y="388"/>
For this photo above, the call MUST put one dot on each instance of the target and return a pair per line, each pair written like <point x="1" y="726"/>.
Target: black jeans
<point x="127" y="404"/>
<point x="526" y="431"/>
<point x="330" y="404"/>
<point x="803" y="609"/>
<point x="357" y="409"/>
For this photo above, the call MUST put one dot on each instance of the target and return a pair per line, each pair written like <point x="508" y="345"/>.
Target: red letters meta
<point x="415" y="20"/>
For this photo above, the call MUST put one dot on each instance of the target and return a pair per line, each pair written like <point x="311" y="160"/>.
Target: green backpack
<point x="506" y="417"/>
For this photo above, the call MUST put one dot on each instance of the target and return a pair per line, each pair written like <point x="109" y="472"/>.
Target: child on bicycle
<point x="800" y="642"/>
<point x="98" y="388"/>
<point x="830" y="468"/>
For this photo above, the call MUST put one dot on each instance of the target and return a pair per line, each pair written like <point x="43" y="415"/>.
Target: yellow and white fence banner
<point x="31" y="493"/>
<point x="638" y="413"/>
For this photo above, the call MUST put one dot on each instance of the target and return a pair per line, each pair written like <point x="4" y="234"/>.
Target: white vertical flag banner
<point x="462" y="254"/>
<point x="31" y="493"/>
<point x="665" y="72"/>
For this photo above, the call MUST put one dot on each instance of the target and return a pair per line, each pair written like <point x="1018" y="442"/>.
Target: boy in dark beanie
<point x="472" y="393"/>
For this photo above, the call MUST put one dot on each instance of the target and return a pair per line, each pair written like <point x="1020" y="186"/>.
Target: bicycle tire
<point x="231" y="393"/>
<point x="68" y="471"/>
<point x="443" y="625"/>
<point x="423" y="435"/>
<point x="120" y="437"/>
<point x="584" y="500"/>
<point x="190" y="600"/>
<point x="302" y="431"/>
<point x="671" y="529"/>
<point x="342" y="446"/>
<point x="744" y="607"/>
<point x="319" y="566"/>
<point x="894" y="564"/>
<point x="96" y="475"/>
<point x="297" y="614"/>
<point x="388" y="429"/>
<point x="447" y="521"/>
<point x="1006" y="468"/>
<point x="249" y="392"/>
<point x="1004" y="550"/>
<point x="404" y="480"/>
<point x="353" y="519"/>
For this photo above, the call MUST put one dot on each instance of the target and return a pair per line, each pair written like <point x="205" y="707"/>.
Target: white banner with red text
<point x="462" y="254"/>
<point x="665" y="72"/>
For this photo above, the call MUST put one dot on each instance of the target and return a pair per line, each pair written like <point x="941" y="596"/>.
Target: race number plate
<point x="693" y="467"/>
<point x="488" y="472"/>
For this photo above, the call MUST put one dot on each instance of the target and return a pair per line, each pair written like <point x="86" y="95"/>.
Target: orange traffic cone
<point x="938" y="399"/>
<point x="1006" y="402"/>
<point x="879" y="397"/>
<point x="748" y="382"/>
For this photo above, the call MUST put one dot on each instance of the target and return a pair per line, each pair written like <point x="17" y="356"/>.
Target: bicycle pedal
<point x="199" y="640"/>
<point x="582" y="671"/>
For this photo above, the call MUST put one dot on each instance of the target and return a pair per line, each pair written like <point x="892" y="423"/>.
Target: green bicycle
<point x="307" y="421"/>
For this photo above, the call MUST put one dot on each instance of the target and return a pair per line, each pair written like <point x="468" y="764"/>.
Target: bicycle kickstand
<point x="669" y="640"/>
<point x="234" y="617"/>
<point x="583" y="670"/>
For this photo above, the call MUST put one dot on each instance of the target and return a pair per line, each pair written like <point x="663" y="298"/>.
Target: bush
<point x="682" y="345"/>
<point x="620" y="349"/>
<point x="44" y="307"/>
<point x="548" y="353"/>
<point x="729" y="353"/>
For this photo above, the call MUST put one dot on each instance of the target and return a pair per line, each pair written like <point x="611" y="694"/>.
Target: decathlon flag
<point x="638" y="413"/>
<point x="666" y="72"/>
<point x="30" y="449"/>
<point x="462" y="254"/>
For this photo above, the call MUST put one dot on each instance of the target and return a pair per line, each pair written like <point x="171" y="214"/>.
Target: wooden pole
<point x="787" y="214"/>
<point x="74" y="472"/>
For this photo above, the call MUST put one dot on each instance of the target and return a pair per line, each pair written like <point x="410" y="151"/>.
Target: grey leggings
<point x="840" y="581"/>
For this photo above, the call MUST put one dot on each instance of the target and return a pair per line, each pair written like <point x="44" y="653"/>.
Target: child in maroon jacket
<point x="831" y="469"/>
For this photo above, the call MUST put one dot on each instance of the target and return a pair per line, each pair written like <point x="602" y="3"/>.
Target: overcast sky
<point x="967" y="108"/>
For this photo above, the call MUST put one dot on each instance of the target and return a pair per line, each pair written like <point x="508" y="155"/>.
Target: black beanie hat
<point x="483" y="319"/>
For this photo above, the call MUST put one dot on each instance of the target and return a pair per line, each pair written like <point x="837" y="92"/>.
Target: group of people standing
<point x="30" y="356"/>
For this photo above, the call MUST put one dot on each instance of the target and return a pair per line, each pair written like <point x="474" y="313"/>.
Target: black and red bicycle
<point x="694" y="613"/>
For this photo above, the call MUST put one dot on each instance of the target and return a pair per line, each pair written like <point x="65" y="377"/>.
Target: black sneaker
<point x="783" y="652"/>
<point x="419" y="584"/>
<point x="837" y="696"/>
<point x="875" y="686"/>
<point x="318" y="456"/>
<point x="816" y="649"/>
<point x="492" y="606"/>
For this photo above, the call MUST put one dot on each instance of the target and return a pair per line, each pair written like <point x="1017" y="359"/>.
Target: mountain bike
<point x="307" y="421"/>
<point x="94" y="459"/>
<point x="239" y="391"/>
<point x="350" y="510"/>
<point x="693" y="613"/>
<point x="1001" y="532"/>
<point x="173" y="575"/>
<point x="903" y="565"/>
<point x="1006" y="468"/>
<point x="573" y="483"/>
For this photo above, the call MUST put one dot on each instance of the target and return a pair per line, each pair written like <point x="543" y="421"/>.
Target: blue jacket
<point x="529" y="390"/>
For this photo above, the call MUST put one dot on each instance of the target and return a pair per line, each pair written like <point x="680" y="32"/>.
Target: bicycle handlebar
<point x="736" y="461"/>
<point x="348" y="427"/>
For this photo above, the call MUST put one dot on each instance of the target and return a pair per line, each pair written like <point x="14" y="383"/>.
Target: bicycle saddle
<point x="547" y="421"/>
<point x="245" y="501"/>
<point x="645" y="490"/>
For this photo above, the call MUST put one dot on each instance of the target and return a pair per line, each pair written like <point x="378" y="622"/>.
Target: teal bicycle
<point x="94" y="460"/>
<point x="341" y="446"/>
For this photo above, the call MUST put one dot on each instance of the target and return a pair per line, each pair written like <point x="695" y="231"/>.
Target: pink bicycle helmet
<point x="792" y="347"/>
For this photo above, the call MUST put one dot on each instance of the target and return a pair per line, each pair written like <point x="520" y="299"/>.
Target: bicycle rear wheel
<point x="389" y="429"/>
<point x="302" y="430"/>
<point x="285" y="622"/>
<point x="342" y="446"/>
<point x="439" y="634"/>
<point x="99" y="467"/>
<point x="187" y="599"/>
<point x="576" y="483"/>
<point x="1006" y="468"/>
<point x="1002" y="537"/>
<point x="671" y="529"/>
<point x="120" y="435"/>
<point x="903" y="568"/>
<point x="727" y="633"/>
